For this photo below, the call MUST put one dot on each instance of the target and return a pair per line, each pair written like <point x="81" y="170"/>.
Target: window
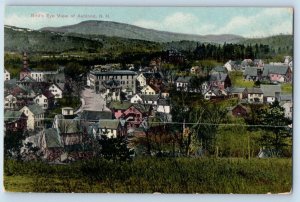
<point x="45" y="100"/>
<point x="37" y="100"/>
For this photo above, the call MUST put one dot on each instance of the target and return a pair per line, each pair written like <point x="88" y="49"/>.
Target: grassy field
<point x="237" y="80"/>
<point x="287" y="88"/>
<point x="148" y="175"/>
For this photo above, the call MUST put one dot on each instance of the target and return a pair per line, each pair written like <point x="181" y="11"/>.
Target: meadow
<point x="149" y="175"/>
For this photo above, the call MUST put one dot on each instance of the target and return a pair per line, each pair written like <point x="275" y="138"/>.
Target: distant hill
<point x="280" y="43"/>
<point x="115" y="29"/>
<point x="22" y="39"/>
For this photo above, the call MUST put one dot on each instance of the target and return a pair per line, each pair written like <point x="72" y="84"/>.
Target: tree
<point x="13" y="141"/>
<point x="276" y="127"/>
<point x="115" y="149"/>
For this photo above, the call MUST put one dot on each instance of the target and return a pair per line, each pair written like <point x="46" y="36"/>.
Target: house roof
<point x="270" y="90"/>
<point x="35" y="109"/>
<point x="68" y="125"/>
<point x="235" y="90"/>
<point x="150" y="75"/>
<point x="11" y="116"/>
<point x="52" y="138"/>
<point x="142" y="108"/>
<point x="117" y="72"/>
<point x="250" y="71"/>
<point x="95" y="115"/>
<point x="109" y="123"/>
<point x="254" y="91"/>
<point x="28" y="79"/>
<point x="119" y="105"/>
<point x="150" y="97"/>
<point x="164" y="102"/>
<point x="185" y="79"/>
<point x="219" y="69"/>
<point x="275" y="69"/>
<point x="286" y="97"/>
<point x="218" y="76"/>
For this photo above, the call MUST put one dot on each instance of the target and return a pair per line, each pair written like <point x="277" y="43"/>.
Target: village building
<point x="149" y="90"/>
<point x="35" y="116"/>
<point x="56" y="90"/>
<point x="271" y="92"/>
<point x="51" y="144"/>
<point x="15" y="121"/>
<point x="6" y="75"/>
<point x="254" y="95"/>
<point x="219" y="80"/>
<point x="236" y="92"/>
<point x="109" y="127"/>
<point x="252" y="73"/>
<point x="277" y="73"/>
<point x="127" y="79"/>
<point x="10" y="102"/>
<point x="164" y="106"/>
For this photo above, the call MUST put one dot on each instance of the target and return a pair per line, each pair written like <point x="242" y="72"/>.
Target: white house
<point x="254" y="95"/>
<point x="35" y="116"/>
<point x="142" y="80"/>
<point x="148" y="90"/>
<point x="136" y="99"/>
<point x="163" y="106"/>
<point x="41" y="100"/>
<point x="10" y="102"/>
<point x="109" y="127"/>
<point x="67" y="111"/>
<point x="228" y="65"/>
<point x="6" y="75"/>
<point x="270" y="92"/>
<point x="56" y="91"/>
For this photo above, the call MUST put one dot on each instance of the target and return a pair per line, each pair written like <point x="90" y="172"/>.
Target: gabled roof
<point x="250" y="71"/>
<point x="235" y="90"/>
<point x="142" y="108"/>
<point x="109" y="123"/>
<point x="95" y="115"/>
<point x="275" y="69"/>
<point x="66" y="126"/>
<point x="52" y="138"/>
<point x="28" y="79"/>
<point x="254" y="91"/>
<point x="35" y="109"/>
<point x="218" y="76"/>
<point x="270" y="90"/>
<point x="150" y="97"/>
<point x="12" y="116"/>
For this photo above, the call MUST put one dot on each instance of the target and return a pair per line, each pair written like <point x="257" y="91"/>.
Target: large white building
<point x="35" y="116"/>
<point x="127" y="79"/>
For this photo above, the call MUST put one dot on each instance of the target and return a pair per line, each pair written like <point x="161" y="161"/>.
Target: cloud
<point x="270" y="21"/>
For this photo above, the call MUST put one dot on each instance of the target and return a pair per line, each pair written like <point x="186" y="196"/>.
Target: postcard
<point x="148" y="99"/>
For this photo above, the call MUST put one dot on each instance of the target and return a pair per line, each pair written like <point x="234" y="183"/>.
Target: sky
<point x="244" y="21"/>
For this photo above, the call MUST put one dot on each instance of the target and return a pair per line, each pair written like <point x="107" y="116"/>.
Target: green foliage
<point x="287" y="88"/>
<point x="13" y="143"/>
<point x="237" y="80"/>
<point x="115" y="149"/>
<point x="148" y="175"/>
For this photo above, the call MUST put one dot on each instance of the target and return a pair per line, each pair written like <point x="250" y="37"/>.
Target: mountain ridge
<point x="111" y="28"/>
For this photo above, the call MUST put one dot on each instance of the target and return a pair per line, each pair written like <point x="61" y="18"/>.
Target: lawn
<point x="148" y="175"/>
<point x="287" y="88"/>
<point x="237" y="80"/>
